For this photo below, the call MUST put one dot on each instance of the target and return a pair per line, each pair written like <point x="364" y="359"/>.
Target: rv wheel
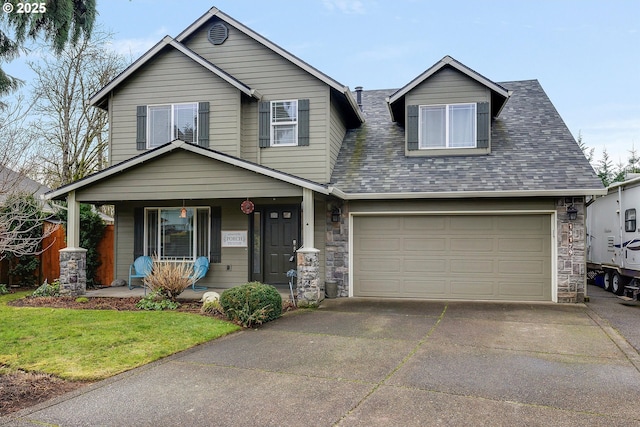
<point x="607" y="280"/>
<point x="617" y="284"/>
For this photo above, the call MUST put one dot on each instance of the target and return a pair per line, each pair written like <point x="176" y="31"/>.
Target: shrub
<point x="251" y="303"/>
<point x="48" y="289"/>
<point x="168" y="278"/>
<point x="156" y="301"/>
<point x="212" y="307"/>
<point x="82" y="300"/>
<point x="3" y="289"/>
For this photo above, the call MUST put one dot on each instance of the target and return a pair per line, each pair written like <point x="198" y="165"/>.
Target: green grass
<point x="96" y="344"/>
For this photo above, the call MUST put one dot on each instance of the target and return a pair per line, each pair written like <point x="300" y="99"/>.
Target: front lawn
<point x="96" y="344"/>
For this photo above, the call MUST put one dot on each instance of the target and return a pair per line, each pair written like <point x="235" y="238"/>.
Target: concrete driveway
<point x="364" y="362"/>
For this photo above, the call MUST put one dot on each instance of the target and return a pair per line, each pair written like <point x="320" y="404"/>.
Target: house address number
<point x="234" y="239"/>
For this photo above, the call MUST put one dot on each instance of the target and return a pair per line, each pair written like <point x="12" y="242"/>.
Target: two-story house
<point x="223" y="144"/>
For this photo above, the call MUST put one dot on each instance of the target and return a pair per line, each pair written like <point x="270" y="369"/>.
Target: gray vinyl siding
<point x="184" y="175"/>
<point x="320" y="233"/>
<point x="337" y="130"/>
<point x="168" y="79"/>
<point x="448" y="86"/>
<point x="249" y="131"/>
<point x="276" y="79"/>
<point x="218" y="275"/>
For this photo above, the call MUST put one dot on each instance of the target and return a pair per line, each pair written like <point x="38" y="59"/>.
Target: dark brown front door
<point x="281" y="238"/>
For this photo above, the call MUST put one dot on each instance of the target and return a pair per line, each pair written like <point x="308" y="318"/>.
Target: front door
<point x="281" y="239"/>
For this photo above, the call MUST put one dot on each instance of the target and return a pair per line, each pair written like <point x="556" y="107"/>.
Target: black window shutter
<point x="141" y="127"/>
<point x="264" y="124"/>
<point x="138" y="232"/>
<point x="203" y="124"/>
<point x="216" y="235"/>
<point x="412" y="127"/>
<point x="483" y="124"/>
<point x="303" y="122"/>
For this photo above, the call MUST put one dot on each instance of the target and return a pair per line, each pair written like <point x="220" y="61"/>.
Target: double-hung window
<point x="447" y="126"/>
<point x="177" y="233"/>
<point x="172" y="121"/>
<point x="284" y="123"/>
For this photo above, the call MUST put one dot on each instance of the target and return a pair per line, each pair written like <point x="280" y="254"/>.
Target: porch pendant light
<point x="183" y="211"/>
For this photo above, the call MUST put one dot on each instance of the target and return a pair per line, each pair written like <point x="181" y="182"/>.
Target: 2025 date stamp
<point x="24" y="7"/>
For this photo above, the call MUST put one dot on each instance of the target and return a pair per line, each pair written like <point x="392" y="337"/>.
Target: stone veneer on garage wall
<point x="337" y="249"/>
<point x="571" y="245"/>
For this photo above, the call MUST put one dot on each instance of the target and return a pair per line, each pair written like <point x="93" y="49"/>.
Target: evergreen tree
<point x="605" y="169"/>
<point x="58" y="22"/>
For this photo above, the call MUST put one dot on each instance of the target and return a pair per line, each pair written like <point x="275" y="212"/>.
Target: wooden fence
<point x="50" y="259"/>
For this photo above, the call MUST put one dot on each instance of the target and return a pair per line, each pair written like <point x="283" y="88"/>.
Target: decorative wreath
<point x="247" y="206"/>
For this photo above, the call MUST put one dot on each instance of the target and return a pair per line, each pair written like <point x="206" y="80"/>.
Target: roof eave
<point x="468" y="194"/>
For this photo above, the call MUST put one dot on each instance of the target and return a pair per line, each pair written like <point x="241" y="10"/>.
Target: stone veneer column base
<point x="310" y="291"/>
<point x="73" y="271"/>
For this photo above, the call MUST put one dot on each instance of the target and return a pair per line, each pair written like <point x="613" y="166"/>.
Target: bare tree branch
<point x="21" y="226"/>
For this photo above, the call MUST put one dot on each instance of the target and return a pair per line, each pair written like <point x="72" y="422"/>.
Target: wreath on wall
<point x="247" y="206"/>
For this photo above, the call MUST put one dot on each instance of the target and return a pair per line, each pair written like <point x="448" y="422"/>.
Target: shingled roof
<point x="532" y="151"/>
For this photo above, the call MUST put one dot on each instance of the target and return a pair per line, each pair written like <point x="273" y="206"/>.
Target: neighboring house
<point x="222" y="144"/>
<point x="15" y="182"/>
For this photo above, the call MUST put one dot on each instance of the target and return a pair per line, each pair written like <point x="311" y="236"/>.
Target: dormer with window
<point x="447" y="111"/>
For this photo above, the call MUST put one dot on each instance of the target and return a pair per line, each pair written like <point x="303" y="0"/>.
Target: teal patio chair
<point x="140" y="269"/>
<point x="200" y="269"/>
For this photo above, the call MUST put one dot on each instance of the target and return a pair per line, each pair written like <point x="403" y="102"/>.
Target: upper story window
<point x="172" y="121"/>
<point x="447" y="126"/>
<point x="284" y="122"/>
<point x="630" y="220"/>
<point x="159" y="124"/>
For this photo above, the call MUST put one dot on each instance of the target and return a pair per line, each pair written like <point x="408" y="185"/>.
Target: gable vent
<point x="218" y="33"/>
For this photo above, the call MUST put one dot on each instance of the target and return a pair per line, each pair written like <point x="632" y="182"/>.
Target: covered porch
<point x="181" y="201"/>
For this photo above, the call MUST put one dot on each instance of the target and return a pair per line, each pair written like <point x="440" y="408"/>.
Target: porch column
<point x="73" y="259"/>
<point x="310" y="290"/>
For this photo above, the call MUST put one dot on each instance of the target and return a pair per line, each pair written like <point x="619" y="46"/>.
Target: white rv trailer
<point x="613" y="238"/>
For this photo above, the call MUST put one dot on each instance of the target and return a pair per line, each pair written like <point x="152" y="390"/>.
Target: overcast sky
<point x="586" y="54"/>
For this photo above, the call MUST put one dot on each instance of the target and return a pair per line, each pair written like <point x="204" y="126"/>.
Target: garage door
<point x="477" y="257"/>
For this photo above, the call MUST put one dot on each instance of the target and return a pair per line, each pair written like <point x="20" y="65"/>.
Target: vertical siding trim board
<point x="303" y="122"/>
<point x="264" y="124"/>
<point x="483" y="124"/>
<point x="203" y="124"/>
<point x="412" y="127"/>
<point x="141" y="127"/>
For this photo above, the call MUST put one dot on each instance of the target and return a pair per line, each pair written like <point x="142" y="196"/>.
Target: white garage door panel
<point x="486" y="257"/>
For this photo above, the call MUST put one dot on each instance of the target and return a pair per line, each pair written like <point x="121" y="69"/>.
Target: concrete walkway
<point x="366" y="362"/>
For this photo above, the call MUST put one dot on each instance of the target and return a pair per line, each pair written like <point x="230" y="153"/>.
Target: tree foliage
<point x="73" y="135"/>
<point x="21" y="226"/>
<point x="62" y="22"/>
<point x="91" y="231"/>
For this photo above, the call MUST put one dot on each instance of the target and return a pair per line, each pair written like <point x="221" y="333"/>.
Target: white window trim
<point x="195" y="232"/>
<point x="172" y="124"/>
<point x="447" y="142"/>
<point x="273" y="124"/>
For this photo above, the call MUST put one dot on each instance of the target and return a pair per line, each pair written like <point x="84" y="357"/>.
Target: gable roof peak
<point x="499" y="93"/>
